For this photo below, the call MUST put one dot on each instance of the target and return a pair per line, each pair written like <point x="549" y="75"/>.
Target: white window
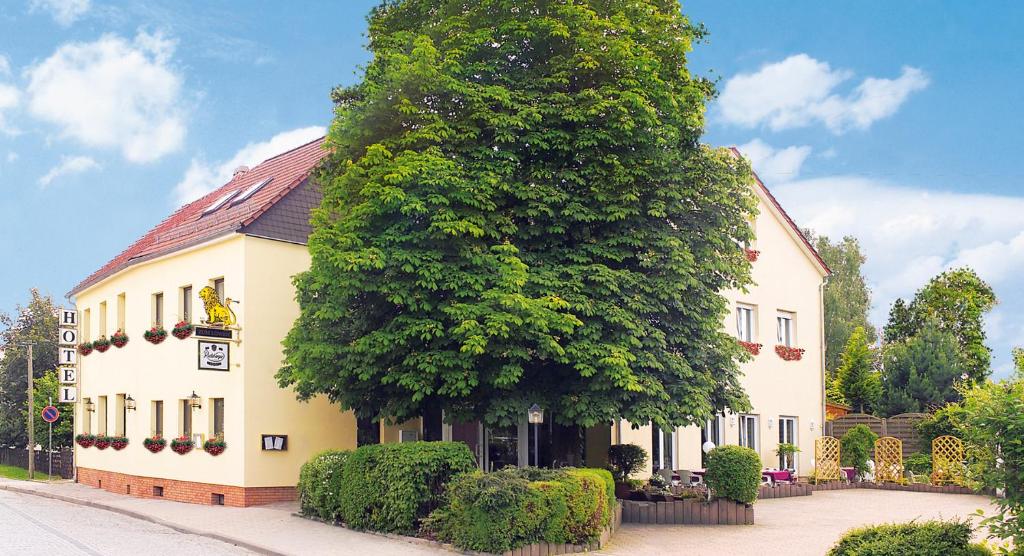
<point x="786" y="331"/>
<point x="749" y="431"/>
<point x="663" y="453"/>
<point x="745" y="323"/>
<point x="158" y="309"/>
<point x="712" y="431"/>
<point x="408" y="436"/>
<point x="787" y="434"/>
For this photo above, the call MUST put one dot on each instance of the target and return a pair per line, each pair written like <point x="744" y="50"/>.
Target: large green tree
<point x="35" y="323"/>
<point x="921" y="373"/>
<point x="858" y="381"/>
<point x="957" y="300"/>
<point x="517" y="210"/>
<point x="47" y="391"/>
<point x="847" y="296"/>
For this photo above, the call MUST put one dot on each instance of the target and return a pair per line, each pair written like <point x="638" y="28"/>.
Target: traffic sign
<point x="50" y="414"/>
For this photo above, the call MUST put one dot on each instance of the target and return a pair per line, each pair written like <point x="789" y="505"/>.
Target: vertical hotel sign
<point x="68" y="356"/>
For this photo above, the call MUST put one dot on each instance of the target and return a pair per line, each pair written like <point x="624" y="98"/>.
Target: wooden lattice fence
<point x="902" y="427"/>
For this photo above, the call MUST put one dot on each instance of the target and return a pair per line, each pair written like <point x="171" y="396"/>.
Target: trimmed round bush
<point x="320" y="485"/>
<point x="734" y="473"/>
<point x="926" y="538"/>
<point x="857" y="446"/>
<point x="626" y="460"/>
<point x="391" y="487"/>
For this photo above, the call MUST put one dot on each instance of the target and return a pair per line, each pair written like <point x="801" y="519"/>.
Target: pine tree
<point x="921" y="373"/>
<point x="859" y="383"/>
<point x="517" y="210"/>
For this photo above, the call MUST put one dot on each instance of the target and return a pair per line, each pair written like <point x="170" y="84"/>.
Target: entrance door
<point x="787" y="434"/>
<point x="501" y="447"/>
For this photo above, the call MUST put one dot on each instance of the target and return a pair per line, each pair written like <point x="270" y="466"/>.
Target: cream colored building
<point x="246" y="240"/>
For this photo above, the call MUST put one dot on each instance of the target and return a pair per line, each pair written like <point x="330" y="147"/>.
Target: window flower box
<point x="102" y="344"/>
<point x="155" y="444"/>
<point x="119" y="339"/>
<point x="103" y="442"/>
<point x="182" y="445"/>
<point x="85" y="440"/>
<point x="789" y="353"/>
<point x="85" y="348"/>
<point x="155" y="335"/>
<point x="182" y="330"/>
<point x="754" y="349"/>
<point x="118" y="442"/>
<point x="215" y="446"/>
<point x="752" y="254"/>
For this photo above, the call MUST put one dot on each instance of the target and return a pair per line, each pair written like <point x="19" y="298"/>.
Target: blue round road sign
<point x="50" y="414"/>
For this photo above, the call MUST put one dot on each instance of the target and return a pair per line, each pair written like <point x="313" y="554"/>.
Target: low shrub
<point x="734" y="473"/>
<point x="320" y="485"/>
<point x="391" y="487"/>
<point x="856" y="447"/>
<point x="625" y="460"/>
<point x="918" y="463"/>
<point x="495" y="512"/>
<point x="926" y="538"/>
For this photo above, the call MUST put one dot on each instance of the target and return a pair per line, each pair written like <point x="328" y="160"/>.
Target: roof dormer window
<point x="223" y="200"/>
<point x="251" y="190"/>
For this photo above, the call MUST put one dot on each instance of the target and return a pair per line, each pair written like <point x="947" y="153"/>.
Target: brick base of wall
<point x="184" y="491"/>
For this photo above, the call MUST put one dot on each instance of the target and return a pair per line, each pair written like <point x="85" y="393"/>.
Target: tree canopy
<point x="921" y="373"/>
<point x="517" y="210"/>
<point x="858" y="381"/>
<point x="34" y="323"/>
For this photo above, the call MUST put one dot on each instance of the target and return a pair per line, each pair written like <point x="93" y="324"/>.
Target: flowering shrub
<point x="182" y="445"/>
<point x="85" y="348"/>
<point x="118" y="442"/>
<point x="85" y="440"/>
<point x="155" y="335"/>
<point x="102" y="441"/>
<point x="752" y="254"/>
<point x="102" y="344"/>
<point x="119" y="339"/>
<point x="182" y="330"/>
<point x="215" y="446"/>
<point x="155" y="444"/>
<point x="753" y="348"/>
<point x="789" y="353"/>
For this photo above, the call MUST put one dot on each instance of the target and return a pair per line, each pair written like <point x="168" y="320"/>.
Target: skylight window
<point x="220" y="202"/>
<point x="249" y="191"/>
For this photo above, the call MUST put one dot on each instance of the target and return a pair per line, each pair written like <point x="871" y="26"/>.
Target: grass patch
<point x="12" y="472"/>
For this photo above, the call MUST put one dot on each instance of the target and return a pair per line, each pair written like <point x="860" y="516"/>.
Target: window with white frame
<point x="663" y="453"/>
<point x="787" y="333"/>
<point x="745" y="323"/>
<point x="749" y="431"/>
<point x="712" y="431"/>
<point x="787" y="435"/>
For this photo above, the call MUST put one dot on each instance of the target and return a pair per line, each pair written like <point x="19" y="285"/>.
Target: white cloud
<point x="909" y="235"/>
<point x="9" y="98"/>
<point x="800" y="91"/>
<point x="775" y="165"/>
<point x="202" y="178"/>
<point x="64" y="12"/>
<point x="113" y="93"/>
<point x="5" y="65"/>
<point x="69" y="165"/>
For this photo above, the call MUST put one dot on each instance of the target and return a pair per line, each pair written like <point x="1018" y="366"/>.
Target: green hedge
<point x="391" y="487"/>
<point x="320" y="485"/>
<point x="857" y="445"/>
<point x="734" y="473"/>
<point x="927" y="538"/>
<point x="495" y="512"/>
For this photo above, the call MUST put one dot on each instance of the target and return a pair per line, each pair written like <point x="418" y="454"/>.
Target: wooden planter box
<point x="915" y="487"/>
<point x="546" y="549"/>
<point x="783" y="491"/>
<point x="687" y="512"/>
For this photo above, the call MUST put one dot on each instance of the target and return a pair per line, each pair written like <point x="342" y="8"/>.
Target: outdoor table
<point x="777" y="476"/>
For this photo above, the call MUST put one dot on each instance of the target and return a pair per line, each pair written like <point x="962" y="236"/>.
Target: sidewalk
<point x="269" y="529"/>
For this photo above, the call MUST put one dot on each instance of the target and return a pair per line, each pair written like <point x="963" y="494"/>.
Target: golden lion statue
<point x="217" y="313"/>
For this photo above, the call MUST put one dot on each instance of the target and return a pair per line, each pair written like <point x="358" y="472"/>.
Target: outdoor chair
<point x="766" y="480"/>
<point x="684" y="476"/>
<point x="696" y="480"/>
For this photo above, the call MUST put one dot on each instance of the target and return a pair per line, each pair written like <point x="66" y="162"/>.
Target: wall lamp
<point x="194" y="401"/>
<point x="129" y="402"/>
<point x="88" y="405"/>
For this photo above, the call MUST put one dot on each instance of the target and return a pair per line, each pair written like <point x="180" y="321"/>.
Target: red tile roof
<point x="789" y="220"/>
<point x="188" y="225"/>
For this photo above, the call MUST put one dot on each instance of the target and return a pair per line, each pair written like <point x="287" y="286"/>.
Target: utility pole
<point x="31" y="427"/>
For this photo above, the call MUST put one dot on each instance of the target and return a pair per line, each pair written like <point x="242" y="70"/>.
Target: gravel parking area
<point x="804" y="525"/>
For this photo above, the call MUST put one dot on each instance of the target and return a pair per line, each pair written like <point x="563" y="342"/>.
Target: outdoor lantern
<point x="812" y="425"/>
<point x="708" y="446"/>
<point x="129" y="402"/>
<point x="771" y="422"/>
<point x="194" y="401"/>
<point x="536" y="415"/>
<point x="89" y="406"/>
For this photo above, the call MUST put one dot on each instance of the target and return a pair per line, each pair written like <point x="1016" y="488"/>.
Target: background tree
<point x="1018" y="361"/>
<point x="517" y="210"/>
<point x="957" y="300"/>
<point x="847" y="296"/>
<point x="47" y="387"/>
<point x="921" y="373"/>
<point x="858" y="381"/>
<point x="34" y="323"/>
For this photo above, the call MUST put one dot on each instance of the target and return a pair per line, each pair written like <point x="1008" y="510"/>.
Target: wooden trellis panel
<point x="826" y="459"/>
<point x="947" y="461"/>
<point x="888" y="460"/>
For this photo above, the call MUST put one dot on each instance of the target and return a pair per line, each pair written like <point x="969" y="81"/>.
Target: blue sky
<point x="894" y="122"/>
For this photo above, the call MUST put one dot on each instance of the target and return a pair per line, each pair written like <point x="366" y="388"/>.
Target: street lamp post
<point x="536" y="417"/>
<point x="31" y="424"/>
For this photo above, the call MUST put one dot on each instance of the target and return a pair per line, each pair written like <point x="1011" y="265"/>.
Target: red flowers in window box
<point x="752" y="254"/>
<point x="155" y="444"/>
<point x="118" y="442"/>
<point x="119" y="339"/>
<point x="753" y="348"/>
<point x="102" y="442"/>
<point x="85" y="440"/>
<point x="182" y="330"/>
<point x="155" y="335"/>
<point x="215" y="446"/>
<point x="789" y="353"/>
<point x="85" y="348"/>
<point x="102" y="344"/>
<point x="182" y="445"/>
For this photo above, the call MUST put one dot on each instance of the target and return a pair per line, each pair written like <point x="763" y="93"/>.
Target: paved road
<point x="30" y="525"/>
